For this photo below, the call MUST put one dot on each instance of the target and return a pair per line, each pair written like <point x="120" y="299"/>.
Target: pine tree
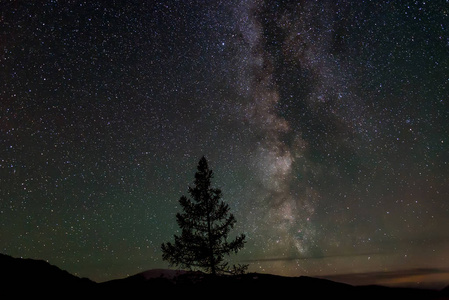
<point x="205" y="224"/>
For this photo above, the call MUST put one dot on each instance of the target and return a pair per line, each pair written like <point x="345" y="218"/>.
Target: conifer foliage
<point x="205" y="224"/>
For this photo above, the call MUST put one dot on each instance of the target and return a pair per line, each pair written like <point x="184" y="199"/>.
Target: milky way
<point x="325" y="123"/>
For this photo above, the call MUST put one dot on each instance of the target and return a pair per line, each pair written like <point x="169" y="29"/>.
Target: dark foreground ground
<point x="27" y="277"/>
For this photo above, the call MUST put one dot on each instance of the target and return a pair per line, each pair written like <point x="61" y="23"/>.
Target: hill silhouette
<point x="33" y="276"/>
<point x="258" y="285"/>
<point x="37" y="277"/>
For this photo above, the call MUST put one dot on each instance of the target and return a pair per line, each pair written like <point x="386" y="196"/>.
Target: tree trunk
<point x="209" y="236"/>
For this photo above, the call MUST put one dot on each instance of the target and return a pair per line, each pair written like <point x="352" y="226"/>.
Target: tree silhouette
<point x="205" y="223"/>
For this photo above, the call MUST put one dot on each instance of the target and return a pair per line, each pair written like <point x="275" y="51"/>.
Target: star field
<point x="325" y="123"/>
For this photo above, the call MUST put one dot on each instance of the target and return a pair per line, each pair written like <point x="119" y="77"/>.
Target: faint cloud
<point x="432" y="278"/>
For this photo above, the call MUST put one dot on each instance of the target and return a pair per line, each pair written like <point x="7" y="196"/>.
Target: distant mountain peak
<point x="161" y="273"/>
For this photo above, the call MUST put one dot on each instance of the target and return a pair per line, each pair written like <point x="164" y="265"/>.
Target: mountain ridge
<point x="31" y="276"/>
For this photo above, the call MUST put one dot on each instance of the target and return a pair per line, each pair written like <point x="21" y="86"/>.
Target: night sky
<point x="326" y="124"/>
